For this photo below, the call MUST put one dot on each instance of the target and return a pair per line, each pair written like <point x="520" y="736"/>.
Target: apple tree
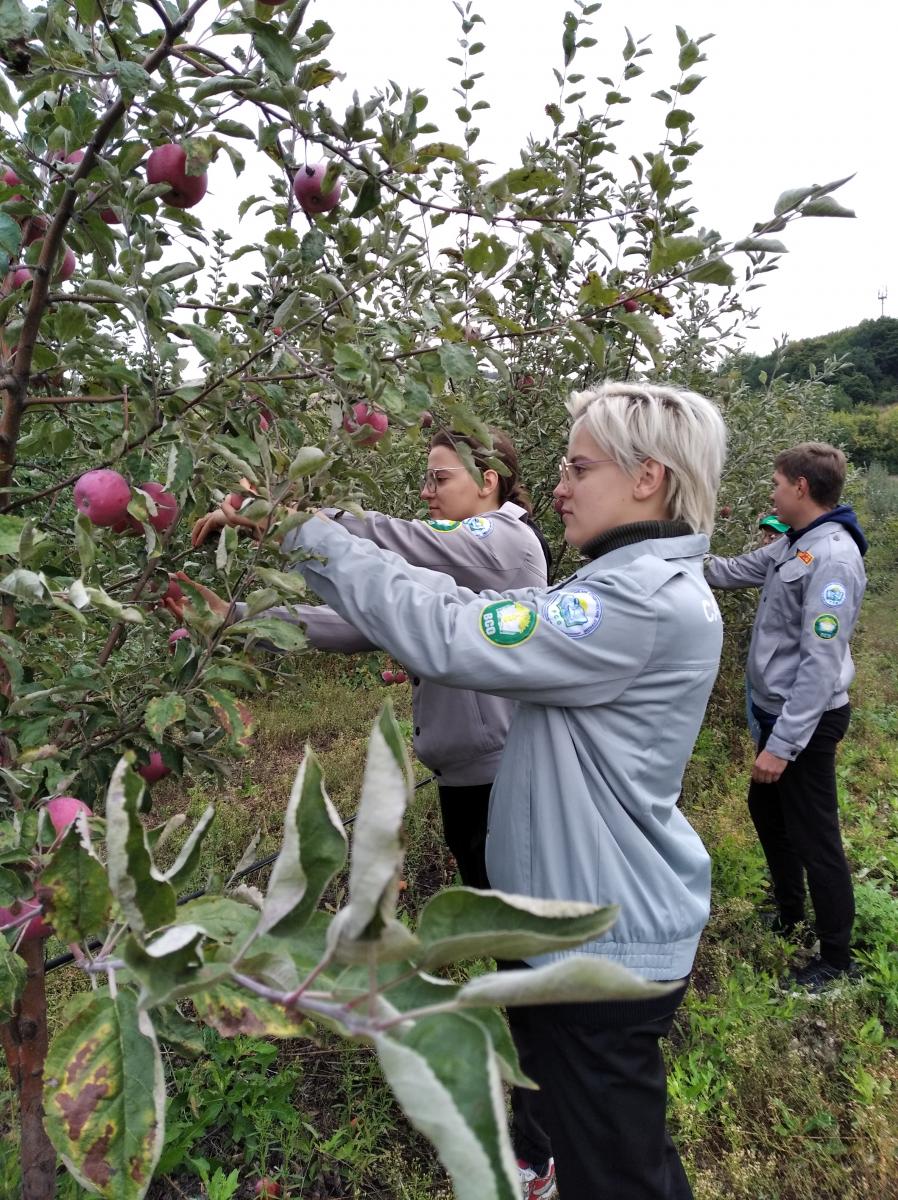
<point x="152" y="367"/>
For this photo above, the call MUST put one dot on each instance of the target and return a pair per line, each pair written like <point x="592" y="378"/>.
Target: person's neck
<point x="489" y="504"/>
<point x="808" y="515"/>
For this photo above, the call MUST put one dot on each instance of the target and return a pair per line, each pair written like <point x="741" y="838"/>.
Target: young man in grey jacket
<point x="611" y="672"/>
<point x="812" y="582"/>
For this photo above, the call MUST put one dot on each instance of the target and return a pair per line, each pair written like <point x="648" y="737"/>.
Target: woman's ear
<point x="649" y="479"/>
<point x="490" y="482"/>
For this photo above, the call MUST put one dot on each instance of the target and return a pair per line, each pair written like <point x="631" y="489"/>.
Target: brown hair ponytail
<point x="510" y="486"/>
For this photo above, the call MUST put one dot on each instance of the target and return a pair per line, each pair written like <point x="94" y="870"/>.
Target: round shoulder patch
<point x="834" y="594"/>
<point x="481" y="527"/>
<point x="577" y="613"/>
<point x="443" y="526"/>
<point x="826" y="626"/>
<point x="507" y="623"/>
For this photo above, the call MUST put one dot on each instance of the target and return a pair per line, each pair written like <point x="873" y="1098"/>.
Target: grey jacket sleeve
<point x="502" y="643"/>
<point x="742" y="571"/>
<point x="832" y="601"/>
<point x="325" y="629"/>
<point x="448" y="546"/>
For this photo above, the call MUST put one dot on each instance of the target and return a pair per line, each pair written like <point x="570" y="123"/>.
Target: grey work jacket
<point x="799" y="660"/>
<point x="459" y="735"/>
<point x="611" y="671"/>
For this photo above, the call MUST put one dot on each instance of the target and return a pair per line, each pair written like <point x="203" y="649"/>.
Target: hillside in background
<point x="860" y="366"/>
<point x="868" y="363"/>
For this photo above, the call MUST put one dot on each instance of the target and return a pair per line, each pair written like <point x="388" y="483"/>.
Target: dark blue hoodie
<point x="842" y="514"/>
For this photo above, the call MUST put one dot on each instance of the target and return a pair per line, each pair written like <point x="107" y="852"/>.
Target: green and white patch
<point x="507" y="623"/>
<point x="443" y="526"/>
<point x="826" y="626"/>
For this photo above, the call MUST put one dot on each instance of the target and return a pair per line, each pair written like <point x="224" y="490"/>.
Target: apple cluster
<point x="103" y="497"/>
<point x="394" y="676"/>
<point x="367" y="425"/>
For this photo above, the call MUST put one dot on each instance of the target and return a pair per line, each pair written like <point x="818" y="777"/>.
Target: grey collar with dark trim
<point x="637" y="531"/>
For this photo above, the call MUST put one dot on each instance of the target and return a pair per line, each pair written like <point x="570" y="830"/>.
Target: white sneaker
<point x="538" y="1187"/>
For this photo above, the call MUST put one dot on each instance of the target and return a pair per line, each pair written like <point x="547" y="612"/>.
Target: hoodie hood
<point x="842" y="514"/>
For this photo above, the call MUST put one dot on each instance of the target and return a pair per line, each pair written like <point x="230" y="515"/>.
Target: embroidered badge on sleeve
<point x="806" y="557"/>
<point x="507" y="623"/>
<point x="443" y="526"/>
<point x="826" y="626"/>
<point x="481" y="527"/>
<point x="835" y="594"/>
<point x="575" y="613"/>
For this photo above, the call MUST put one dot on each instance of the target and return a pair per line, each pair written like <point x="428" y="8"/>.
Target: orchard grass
<point x="771" y="1097"/>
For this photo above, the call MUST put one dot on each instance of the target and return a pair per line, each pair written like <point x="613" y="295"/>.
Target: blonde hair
<point x="679" y="429"/>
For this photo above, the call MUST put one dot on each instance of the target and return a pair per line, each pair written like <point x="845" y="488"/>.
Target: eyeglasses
<point x="571" y="472"/>
<point x="433" y="479"/>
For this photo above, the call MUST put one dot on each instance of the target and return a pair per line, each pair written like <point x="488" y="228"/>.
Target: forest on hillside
<point x="860" y="367"/>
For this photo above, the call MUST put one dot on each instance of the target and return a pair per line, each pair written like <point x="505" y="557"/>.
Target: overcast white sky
<point x="797" y="92"/>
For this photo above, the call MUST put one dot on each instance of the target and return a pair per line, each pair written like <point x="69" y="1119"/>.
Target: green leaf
<point x="280" y="633"/>
<point x="119" y="612"/>
<point x="444" y="1074"/>
<point x="311" y="248"/>
<point x="166" y="967"/>
<point x="530" y="179"/>
<point x="307" y="461"/>
<point x="170" y="273"/>
<point x="188" y="859"/>
<point x="231" y="1009"/>
<point x="377" y="850"/>
<point x="580" y="979"/>
<point x="368" y="197"/>
<point x="762" y="245"/>
<point x="825" y="206"/>
<point x="104" y="1095"/>
<point x="24" y="585"/>
<point x="275" y="50"/>
<point x="206" y="343"/>
<point x="312" y="852"/>
<point x="644" y="329"/>
<point x="163" y="711"/>
<point x="678" y="118"/>
<point x="462" y="923"/>
<point x="147" y="901"/>
<point x="715" y="270"/>
<point x="289" y="583"/>
<point x="16" y="22"/>
<point x="457" y="360"/>
<point x="792" y="199"/>
<point x="74" y="891"/>
<point x="668" y="252"/>
<point x="13" y="977"/>
<point x="595" y="292"/>
<point x="432" y="150"/>
<point x="10" y="238"/>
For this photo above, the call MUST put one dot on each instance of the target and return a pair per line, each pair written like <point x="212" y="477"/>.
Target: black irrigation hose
<point x="63" y="960"/>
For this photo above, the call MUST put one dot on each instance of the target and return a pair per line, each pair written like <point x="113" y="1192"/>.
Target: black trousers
<point x="601" y="1107"/>
<point x="464" y="811"/>
<point x="797" y="819"/>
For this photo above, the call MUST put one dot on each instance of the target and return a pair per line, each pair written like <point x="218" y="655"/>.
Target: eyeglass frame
<point x="431" y="475"/>
<point x="567" y="471"/>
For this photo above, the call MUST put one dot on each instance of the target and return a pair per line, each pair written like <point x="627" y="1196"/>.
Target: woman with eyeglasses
<point x="483" y="536"/>
<point x="611" y="670"/>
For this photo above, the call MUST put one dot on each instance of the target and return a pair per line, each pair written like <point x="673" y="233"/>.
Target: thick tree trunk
<point x="25" y="1043"/>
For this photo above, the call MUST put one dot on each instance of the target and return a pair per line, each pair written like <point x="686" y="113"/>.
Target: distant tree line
<point x="860" y="366"/>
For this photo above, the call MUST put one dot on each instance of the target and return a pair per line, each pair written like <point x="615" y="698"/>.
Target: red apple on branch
<point x="102" y="496"/>
<point x="168" y="164"/>
<point x="174" y="638"/>
<point x="62" y="811"/>
<point x="155" y="769"/>
<point x="307" y="189"/>
<point x="631" y="306"/>
<point x="377" y="424"/>
<point x="166" y="506"/>
<point x="36" y="928"/>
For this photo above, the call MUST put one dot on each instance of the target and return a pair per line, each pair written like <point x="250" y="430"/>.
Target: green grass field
<point x="771" y="1098"/>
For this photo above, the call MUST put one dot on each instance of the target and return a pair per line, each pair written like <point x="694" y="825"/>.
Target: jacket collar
<point x="637" y="531"/>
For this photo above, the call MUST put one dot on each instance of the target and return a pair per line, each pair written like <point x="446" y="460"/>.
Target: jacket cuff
<point x="782" y="749"/>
